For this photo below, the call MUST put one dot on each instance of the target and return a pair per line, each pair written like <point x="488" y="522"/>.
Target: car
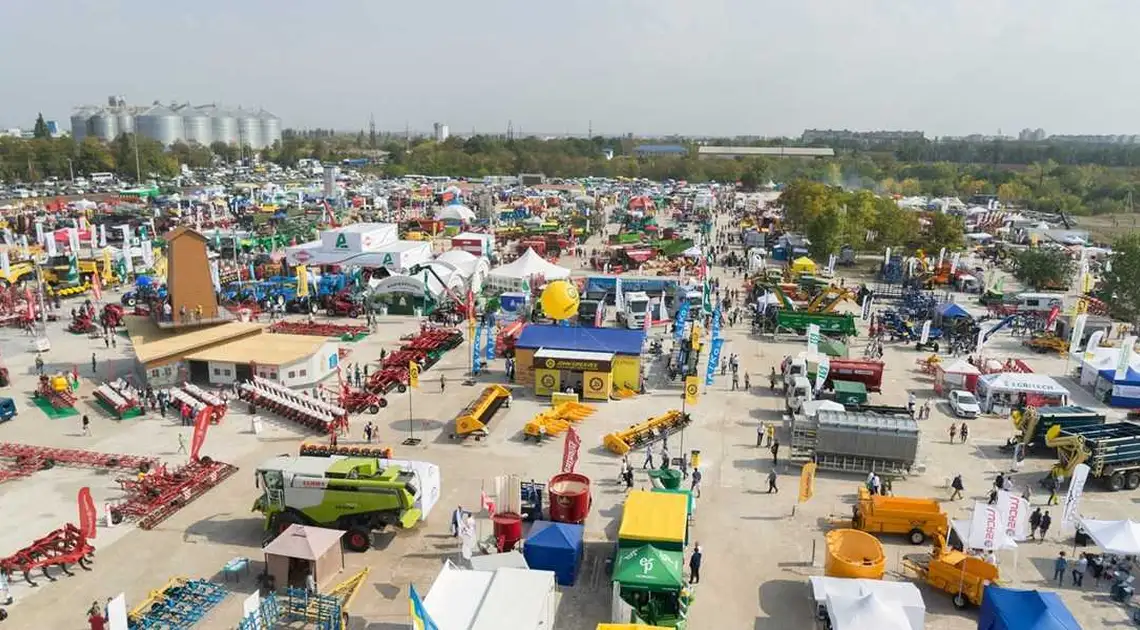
<point x="963" y="404"/>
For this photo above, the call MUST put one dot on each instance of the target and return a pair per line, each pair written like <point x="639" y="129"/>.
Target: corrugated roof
<point x="151" y="343"/>
<point x="264" y="349"/>
<point x="615" y="340"/>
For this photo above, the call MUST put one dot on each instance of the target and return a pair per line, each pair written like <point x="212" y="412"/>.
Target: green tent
<point x="650" y="568"/>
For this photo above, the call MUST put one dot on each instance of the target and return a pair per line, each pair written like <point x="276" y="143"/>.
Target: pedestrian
<point x="965" y="432"/>
<point x="772" y="380"/>
<point x="648" y="458"/>
<point x="695" y="565"/>
<point x="1079" y="570"/>
<point x="93" y="365"/>
<point x="181" y="444"/>
<point x="1007" y="483"/>
<point x="86" y="422"/>
<point x="1059" y="566"/>
<point x="747" y="382"/>
<point x="910" y="400"/>
<point x="696" y="487"/>
<point x="876" y="484"/>
<point x="627" y="476"/>
<point x="775" y="451"/>
<point x="95" y="618"/>
<point x="735" y="381"/>
<point x="39" y="364"/>
<point x="1034" y="523"/>
<point x="953" y="432"/>
<point x="761" y="431"/>
<point x="456" y="521"/>
<point x="106" y="341"/>
<point x="1054" y="484"/>
<point x="114" y="344"/>
<point x="442" y="383"/>
<point x="958" y="487"/>
<point x="999" y="481"/>
<point x="771" y="435"/>
<point x="1046" y="521"/>
<point x="772" y="482"/>
<point x="310" y="583"/>
<point x="368" y="432"/>
<point x="665" y="461"/>
<point x="926" y="410"/>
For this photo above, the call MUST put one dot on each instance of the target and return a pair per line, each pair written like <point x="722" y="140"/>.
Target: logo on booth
<point x="691" y="390"/>
<point x="341" y="241"/>
<point x="596" y="384"/>
<point x="550" y="364"/>
<point x="388" y="260"/>
<point x="548" y="380"/>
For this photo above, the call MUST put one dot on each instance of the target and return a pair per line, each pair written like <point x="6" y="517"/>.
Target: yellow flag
<point x="413" y="374"/>
<point x="807" y="482"/>
<point x="302" y="281"/>
<point x="692" y="389"/>
<point x="695" y="339"/>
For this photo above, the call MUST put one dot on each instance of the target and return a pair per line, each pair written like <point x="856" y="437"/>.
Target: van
<point x="102" y="178"/>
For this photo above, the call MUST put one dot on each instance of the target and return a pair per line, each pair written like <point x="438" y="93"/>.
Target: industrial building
<point x="775" y="152"/>
<point x="203" y="124"/>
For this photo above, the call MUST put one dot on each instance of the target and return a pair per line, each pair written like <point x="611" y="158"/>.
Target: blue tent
<point x="555" y="547"/>
<point x="1010" y="609"/>
<point x="951" y="310"/>
<point x="1123" y="390"/>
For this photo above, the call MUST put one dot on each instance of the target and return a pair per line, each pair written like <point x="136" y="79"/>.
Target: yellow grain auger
<point x="647" y="432"/>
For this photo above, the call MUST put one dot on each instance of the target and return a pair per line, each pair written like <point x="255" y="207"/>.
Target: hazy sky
<point x="642" y="66"/>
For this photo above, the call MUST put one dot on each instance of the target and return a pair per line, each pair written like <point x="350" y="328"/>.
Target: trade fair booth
<point x="959" y="374"/>
<point x="367" y="245"/>
<point x="1010" y="609"/>
<point x="301" y="550"/>
<point x="999" y="393"/>
<point x="843" y="602"/>
<point x="649" y="584"/>
<point x="592" y="361"/>
<point x="556" y="547"/>
<point x="525" y="269"/>
<point x="474" y="269"/>
<point x="520" y="599"/>
<point x="1120" y="538"/>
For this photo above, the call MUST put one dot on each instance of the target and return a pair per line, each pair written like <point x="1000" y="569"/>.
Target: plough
<point x="359" y="401"/>
<point x="179" y="605"/>
<point x="57" y="391"/>
<point x="298" y="407"/>
<point x="119" y="398"/>
<point x="154" y="496"/>
<point x="62" y="547"/>
<point x="556" y="420"/>
<point x="315" y="329"/>
<point x="29" y="459"/>
<point x="191" y="395"/>
<point x="645" y="433"/>
<point x="327" y="450"/>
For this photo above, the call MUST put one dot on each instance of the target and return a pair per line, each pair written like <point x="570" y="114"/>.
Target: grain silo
<point x="126" y="119"/>
<point x="162" y="124"/>
<point x="249" y="129"/>
<point x="270" y="128"/>
<point x="196" y="121"/>
<point x="105" y="125"/>
<point x="80" y="119"/>
<point x="223" y="125"/>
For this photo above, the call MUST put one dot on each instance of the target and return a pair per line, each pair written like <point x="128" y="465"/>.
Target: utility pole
<point x="138" y="166"/>
<point x="407" y="137"/>
<point x="590" y="130"/>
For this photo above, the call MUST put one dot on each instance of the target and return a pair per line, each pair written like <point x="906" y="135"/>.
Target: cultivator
<point x="64" y="546"/>
<point x="154" y="496"/>
<point x="360" y="400"/>
<point x="298" y="407"/>
<point x="191" y="395"/>
<point x="557" y="420"/>
<point x="315" y="329"/>
<point x="387" y="379"/>
<point x="57" y="391"/>
<point x="29" y="459"/>
<point x="327" y="450"/>
<point x="648" y="432"/>
<point x="179" y="605"/>
<point x="119" y="398"/>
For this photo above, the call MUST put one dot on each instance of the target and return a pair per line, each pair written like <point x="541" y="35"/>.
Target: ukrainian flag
<point x="420" y="618"/>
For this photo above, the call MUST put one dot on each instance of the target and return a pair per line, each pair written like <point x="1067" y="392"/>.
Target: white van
<point x="102" y="178"/>
<point x="1039" y="302"/>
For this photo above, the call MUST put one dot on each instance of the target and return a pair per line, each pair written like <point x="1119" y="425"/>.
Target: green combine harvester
<point x="357" y="494"/>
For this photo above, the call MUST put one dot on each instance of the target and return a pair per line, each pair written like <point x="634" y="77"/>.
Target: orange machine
<point x="952" y="571"/>
<point x="915" y="517"/>
<point x="854" y="554"/>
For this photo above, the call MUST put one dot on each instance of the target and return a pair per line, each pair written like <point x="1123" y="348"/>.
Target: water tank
<point x="249" y="130"/>
<point x="79" y="122"/>
<point x="161" y="124"/>
<point x="223" y="127"/>
<point x="197" y="124"/>
<point x="104" y="125"/>
<point x="569" y="498"/>
<point x="270" y="128"/>
<point x="126" y="120"/>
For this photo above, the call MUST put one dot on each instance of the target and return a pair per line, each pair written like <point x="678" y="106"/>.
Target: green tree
<point x="945" y="230"/>
<point x="94" y="156"/>
<point x="41" y="128"/>
<point x="227" y="152"/>
<point x="1120" y="285"/>
<point x="1041" y="267"/>
<point x="1013" y="192"/>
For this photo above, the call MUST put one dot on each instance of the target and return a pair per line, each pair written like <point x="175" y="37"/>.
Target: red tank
<point x="569" y="498"/>
<point x="508" y="530"/>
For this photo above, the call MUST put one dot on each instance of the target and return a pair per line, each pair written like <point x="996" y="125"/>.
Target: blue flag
<point x="715" y="328"/>
<point x="420" y="618"/>
<point x="476" y="349"/>
<point x="490" y="344"/>
<point x="682" y="318"/>
<point x="714" y="359"/>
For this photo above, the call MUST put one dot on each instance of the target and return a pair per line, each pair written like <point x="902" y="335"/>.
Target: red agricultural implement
<point x="343" y="304"/>
<point x="359" y="401"/>
<point x="327" y="450"/>
<point x="56" y="391"/>
<point x="300" y="408"/>
<point x="112" y="315"/>
<point x="154" y="496"/>
<point x="62" y="547"/>
<point x="316" y="329"/>
<point x="387" y="379"/>
<point x="119" y="397"/>
<point x="26" y="460"/>
<point x="193" y="396"/>
<point x="82" y="324"/>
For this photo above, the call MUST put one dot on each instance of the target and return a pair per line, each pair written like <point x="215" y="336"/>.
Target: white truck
<point x="635" y="307"/>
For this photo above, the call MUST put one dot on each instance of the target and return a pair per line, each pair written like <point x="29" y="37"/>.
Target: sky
<point x="648" y="67"/>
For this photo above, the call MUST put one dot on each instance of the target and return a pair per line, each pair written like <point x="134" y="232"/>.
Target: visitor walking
<point x="648" y="458"/>
<point x="1059" y="566"/>
<point x="93" y="364"/>
<point x="86" y="423"/>
<point x="953" y="432"/>
<point x="442" y="383"/>
<point x="695" y="565"/>
<point x="1046" y="521"/>
<point x="772" y="482"/>
<point x="775" y="451"/>
<point x="1034" y="523"/>
<point x="958" y="487"/>
<point x="965" y="432"/>
<point x="181" y="444"/>
<point x="1079" y="570"/>
<point x="747" y="382"/>
<point x="696" y="487"/>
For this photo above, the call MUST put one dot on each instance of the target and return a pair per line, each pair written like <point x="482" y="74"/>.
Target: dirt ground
<point x="759" y="549"/>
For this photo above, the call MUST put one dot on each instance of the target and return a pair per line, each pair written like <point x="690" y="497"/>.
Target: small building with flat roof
<point x="590" y="361"/>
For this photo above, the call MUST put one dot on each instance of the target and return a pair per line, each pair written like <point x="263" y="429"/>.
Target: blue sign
<point x="715" y="329"/>
<point x="490" y="344"/>
<point x="682" y="318"/>
<point x="714" y="359"/>
<point x="475" y="350"/>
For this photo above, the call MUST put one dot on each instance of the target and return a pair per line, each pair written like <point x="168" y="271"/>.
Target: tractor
<point x="344" y="303"/>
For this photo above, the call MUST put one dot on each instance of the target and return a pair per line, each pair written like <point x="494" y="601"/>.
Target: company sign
<point x="575" y="365"/>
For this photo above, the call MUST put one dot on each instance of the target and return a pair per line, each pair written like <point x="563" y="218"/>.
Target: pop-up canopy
<point x="1118" y="537"/>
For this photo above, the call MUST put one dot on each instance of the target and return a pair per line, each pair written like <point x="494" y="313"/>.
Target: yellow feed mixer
<point x="854" y="554"/>
<point x="557" y="419"/>
<point x="622" y="442"/>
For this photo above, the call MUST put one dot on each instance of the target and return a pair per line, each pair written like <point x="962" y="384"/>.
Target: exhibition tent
<point x="865" y="612"/>
<point x="460" y="599"/>
<point x="654" y="518"/>
<point x="1040" y="389"/>
<point x="555" y="547"/>
<point x="959" y="374"/>
<point x="650" y="568"/>
<point x="455" y="212"/>
<point x="803" y="264"/>
<point x="951" y="310"/>
<point x="1010" y="609"/>
<point x="454" y="598"/>
<point x="904" y="596"/>
<point x="526" y="267"/>
<point x="1118" y="537"/>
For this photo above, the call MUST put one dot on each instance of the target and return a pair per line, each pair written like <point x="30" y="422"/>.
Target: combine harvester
<point x="300" y="408"/>
<point x="475" y="417"/>
<point x="556" y="420"/>
<point x="648" y="432"/>
<point x="119" y="398"/>
<point x="193" y="396"/>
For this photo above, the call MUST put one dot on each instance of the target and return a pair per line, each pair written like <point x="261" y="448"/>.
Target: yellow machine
<point x="854" y="554"/>
<point x="17" y="273"/>
<point x="1071" y="450"/>
<point x="313" y="611"/>
<point x="1047" y="342"/>
<point x="917" y="518"/>
<point x="952" y="571"/>
<point x="622" y="442"/>
<point x="557" y="419"/>
<point x="829" y="299"/>
<point x="475" y="417"/>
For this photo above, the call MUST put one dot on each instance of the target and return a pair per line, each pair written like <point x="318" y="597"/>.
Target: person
<point x="772" y="380"/>
<point x="771" y="434"/>
<point x="876" y="484"/>
<point x="368" y="432"/>
<point x="1007" y="483"/>
<point x="648" y="458"/>
<point x="442" y="383"/>
<point x="953" y="432"/>
<point x="106" y="341"/>
<point x="456" y="521"/>
<point x="761" y="431"/>
<point x="93" y="364"/>
<point x="999" y="481"/>
<point x="310" y="582"/>
<point x="747" y="382"/>
<point x="95" y="619"/>
<point x="86" y="422"/>
<point x="1059" y="566"/>
<point x="910" y="403"/>
<point x="775" y="451"/>
<point x="696" y="487"/>
<point x="926" y="410"/>
<point x="1054" y="485"/>
<point x="1034" y="523"/>
<point x="735" y="382"/>
<point x="39" y="364"/>
<point x="772" y="482"/>
<point x="1046" y="521"/>
<point x="181" y="444"/>
<point x="991" y="557"/>
<point x="965" y="432"/>
<point x="958" y="487"/>
<point x="627" y="476"/>
<point x="888" y="489"/>
<point x="1079" y="570"/>
<point x="695" y="565"/>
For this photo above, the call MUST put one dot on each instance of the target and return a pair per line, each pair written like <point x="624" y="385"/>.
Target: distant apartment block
<point x="659" y="150"/>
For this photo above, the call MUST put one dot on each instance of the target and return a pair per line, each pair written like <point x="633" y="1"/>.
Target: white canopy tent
<point x="474" y="269"/>
<point x="866" y="612"/>
<point x="513" y="598"/>
<point x="455" y="212"/>
<point x="1001" y="389"/>
<point x="1117" y="537"/>
<point x="510" y="277"/>
<point x="838" y="598"/>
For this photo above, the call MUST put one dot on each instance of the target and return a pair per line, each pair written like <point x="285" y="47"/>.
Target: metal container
<point x="79" y="123"/>
<point x="569" y="498"/>
<point x="270" y="128"/>
<point x="126" y="120"/>
<point x="508" y="530"/>
<point x="868" y="435"/>
<point x="104" y="125"/>
<point x="161" y="124"/>
<point x="249" y="130"/>
<point x="197" y="126"/>
<point x="223" y="126"/>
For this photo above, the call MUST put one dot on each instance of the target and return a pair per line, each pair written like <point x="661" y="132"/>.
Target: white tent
<point x="474" y="269"/>
<point x="1014" y="383"/>
<point x="482" y="600"/>
<point x="1118" y="537"/>
<point x="510" y="277"/>
<point x="866" y="612"/>
<point x="455" y="212"/>
<point x="455" y="595"/>
<point x="903" y="596"/>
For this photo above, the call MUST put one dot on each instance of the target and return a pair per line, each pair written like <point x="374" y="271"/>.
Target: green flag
<point x="706" y="297"/>
<point x="73" y="268"/>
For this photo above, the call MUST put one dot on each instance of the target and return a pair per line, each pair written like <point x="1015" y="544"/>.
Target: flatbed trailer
<point x="1111" y="451"/>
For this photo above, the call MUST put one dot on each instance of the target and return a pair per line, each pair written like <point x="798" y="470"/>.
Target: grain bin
<point x="80" y="120"/>
<point x="270" y="128"/>
<point x="569" y="498"/>
<point x="197" y="125"/>
<point x="162" y="124"/>
<point x="223" y="126"/>
<point x="249" y="130"/>
<point x="104" y="125"/>
<point x="126" y="120"/>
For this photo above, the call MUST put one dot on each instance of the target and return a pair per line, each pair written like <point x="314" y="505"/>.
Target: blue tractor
<point x="146" y="289"/>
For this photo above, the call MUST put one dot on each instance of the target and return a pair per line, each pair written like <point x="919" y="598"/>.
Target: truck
<point x="1111" y="451"/>
<point x="1033" y="423"/>
<point x="588" y="311"/>
<point x="357" y="494"/>
<point x="867" y="372"/>
<point x="635" y="307"/>
<point x="828" y="323"/>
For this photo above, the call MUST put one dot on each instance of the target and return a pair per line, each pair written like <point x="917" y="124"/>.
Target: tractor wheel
<point x="282" y="521"/>
<point x="358" y="539"/>
<point x="383" y="402"/>
<point x="130" y="301"/>
<point x="312" y="308"/>
<point x="374" y="409"/>
<point x="916" y="536"/>
<point x="331" y="312"/>
<point x="401" y="388"/>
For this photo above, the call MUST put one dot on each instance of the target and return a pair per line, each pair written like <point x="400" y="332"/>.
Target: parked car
<point x="963" y="404"/>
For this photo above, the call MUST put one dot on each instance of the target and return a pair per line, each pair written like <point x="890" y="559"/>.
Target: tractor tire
<point x="357" y="539"/>
<point x="401" y="388"/>
<point x="1116" y="482"/>
<point x="1132" y="481"/>
<point x="916" y="536"/>
<point x="960" y="602"/>
<point x="331" y="312"/>
<point x="283" y="521"/>
<point x="312" y="308"/>
<point x="373" y="409"/>
<point x="130" y="301"/>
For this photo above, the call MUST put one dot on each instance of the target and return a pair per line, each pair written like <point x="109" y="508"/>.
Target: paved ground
<point x="758" y="555"/>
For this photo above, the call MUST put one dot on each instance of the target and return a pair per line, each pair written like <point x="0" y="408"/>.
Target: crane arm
<point x="1071" y="450"/>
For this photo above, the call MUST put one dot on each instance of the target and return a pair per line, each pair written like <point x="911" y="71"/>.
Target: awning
<point x="650" y="517"/>
<point x="650" y="568"/>
<point x="1117" y="537"/>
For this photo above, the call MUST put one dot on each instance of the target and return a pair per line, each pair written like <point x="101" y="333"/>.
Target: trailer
<point x="829" y="323"/>
<point x="856" y="441"/>
<point x="866" y="371"/>
<point x="1033" y="423"/>
<point x="1111" y="451"/>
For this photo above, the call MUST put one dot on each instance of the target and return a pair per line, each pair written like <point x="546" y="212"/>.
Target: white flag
<point x="1014" y="511"/>
<point x="980" y="343"/>
<point x="925" y="333"/>
<point x="52" y="250"/>
<point x="73" y="240"/>
<point x="1124" y="358"/>
<point x="954" y="262"/>
<point x="822" y="371"/>
<point x="39" y="233"/>
<point x="986" y="528"/>
<point x="1094" y="343"/>
<point x="813" y="339"/>
<point x="5" y="264"/>
<point x="147" y="254"/>
<point x="1078" y="332"/>
<point x="941" y="256"/>
<point x="102" y="235"/>
<point x="1073" y="497"/>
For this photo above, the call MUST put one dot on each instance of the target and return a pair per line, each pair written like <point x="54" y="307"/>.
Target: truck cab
<point x="798" y="392"/>
<point x="634" y="310"/>
<point x="588" y="311"/>
<point x="795" y="367"/>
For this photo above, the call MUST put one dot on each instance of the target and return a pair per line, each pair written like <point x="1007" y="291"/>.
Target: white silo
<point x="223" y="126"/>
<point x="197" y="124"/>
<point x="125" y="116"/>
<point x="162" y="124"/>
<point x="270" y="128"/>
<point x="80" y="119"/>
<point x="249" y="129"/>
<point x="104" y="125"/>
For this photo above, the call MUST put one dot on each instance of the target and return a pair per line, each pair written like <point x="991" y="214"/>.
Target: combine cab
<point x="475" y="417"/>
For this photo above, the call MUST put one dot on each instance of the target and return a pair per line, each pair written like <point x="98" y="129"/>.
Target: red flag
<point x="31" y="304"/>
<point x="96" y="288"/>
<point x="201" y="423"/>
<point x="1056" y="310"/>
<point x="570" y="451"/>
<point x="86" y="513"/>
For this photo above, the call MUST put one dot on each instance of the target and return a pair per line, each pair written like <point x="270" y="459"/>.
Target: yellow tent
<point x="803" y="265"/>
<point x="657" y="518"/>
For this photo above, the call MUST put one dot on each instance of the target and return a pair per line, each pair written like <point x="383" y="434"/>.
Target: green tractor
<point x="357" y="494"/>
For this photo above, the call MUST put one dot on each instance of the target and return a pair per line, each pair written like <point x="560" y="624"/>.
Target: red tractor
<point x="344" y="303"/>
<point x="82" y="324"/>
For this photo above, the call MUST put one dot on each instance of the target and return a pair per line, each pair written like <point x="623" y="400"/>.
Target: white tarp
<point x="1118" y="537"/>
<point x="455" y="596"/>
<point x="868" y="612"/>
<point x="527" y="266"/>
<point x="520" y="599"/>
<point x="455" y="212"/>
<point x="903" y="596"/>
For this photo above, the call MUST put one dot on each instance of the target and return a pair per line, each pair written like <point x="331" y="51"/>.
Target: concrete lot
<point x="758" y="555"/>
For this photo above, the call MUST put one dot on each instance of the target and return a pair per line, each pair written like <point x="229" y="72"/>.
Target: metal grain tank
<point x="892" y="441"/>
<point x="197" y="125"/>
<point x="161" y="124"/>
<point x="104" y="125"/>
<point x="126" y="119"/>
<point x="249" y="130"/>
<point x="270" y="128"/>
<point x="80" y="120"/>
<point x="223" y="126"/>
